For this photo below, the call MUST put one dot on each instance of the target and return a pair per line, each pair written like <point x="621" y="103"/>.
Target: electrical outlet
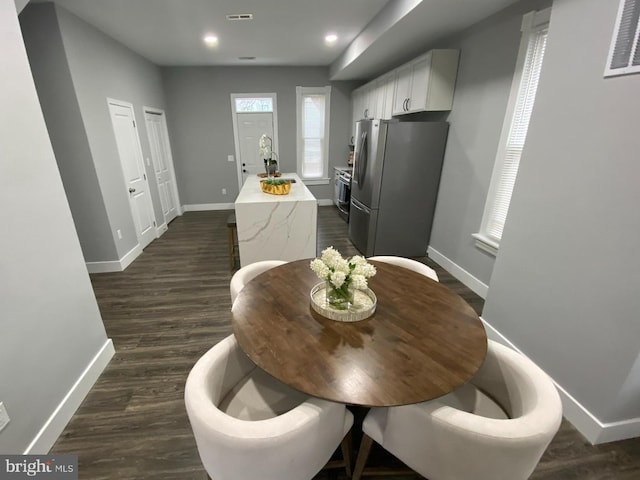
<point x="230" y="158"/>
<point x="119" y="234"/>
<point x="224" y="191"/>
<point x="4" y="416"/>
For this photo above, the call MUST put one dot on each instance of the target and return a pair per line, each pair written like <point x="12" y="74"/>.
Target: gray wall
<point x="69" y="138"/>
<point x="566" y="279"/>
<point x="51" y="326"/>
<point x="200" y="122"/>
<point x="99" y="68"/>
<point x="487" y="63"/>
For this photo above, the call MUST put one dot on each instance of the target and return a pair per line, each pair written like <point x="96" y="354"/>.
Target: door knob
<point x="131" y="190"/>
<point x="244" y="164"/>
<point x="244" y="171"/>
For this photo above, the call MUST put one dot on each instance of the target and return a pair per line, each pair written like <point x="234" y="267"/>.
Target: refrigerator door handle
<point x="359" y="163"/>
<point x="359" y="206"/>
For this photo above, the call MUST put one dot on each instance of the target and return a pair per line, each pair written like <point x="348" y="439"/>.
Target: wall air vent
<point x="246" y="58"/>
<point x="240" y="16"/>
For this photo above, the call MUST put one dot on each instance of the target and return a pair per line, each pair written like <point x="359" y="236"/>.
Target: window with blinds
<point x="624" y="53"/>
<point x="514" y="132"/>
<point x="313" y="133"/>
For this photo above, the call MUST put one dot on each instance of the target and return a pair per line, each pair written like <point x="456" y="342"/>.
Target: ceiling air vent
<point x="240" y="16"/>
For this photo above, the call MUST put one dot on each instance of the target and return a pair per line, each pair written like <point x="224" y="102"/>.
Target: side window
<point x="514" y="130"/>
<point x="313" y="133"/>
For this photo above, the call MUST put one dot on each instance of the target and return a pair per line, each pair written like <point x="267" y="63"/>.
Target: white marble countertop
<point x="251" y="192"/>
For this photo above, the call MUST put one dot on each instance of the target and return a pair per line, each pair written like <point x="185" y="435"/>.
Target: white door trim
<point x="121" y="103"/>
<point x="172" y="172"/>
<point x="234" y="118"/>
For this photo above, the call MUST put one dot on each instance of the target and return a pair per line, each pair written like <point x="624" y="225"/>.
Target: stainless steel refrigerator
<point x="394" y="186"/>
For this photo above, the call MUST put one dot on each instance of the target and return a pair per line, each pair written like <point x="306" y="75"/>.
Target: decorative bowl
<point x="275" y="189"/>
<point x="364" y="305"/>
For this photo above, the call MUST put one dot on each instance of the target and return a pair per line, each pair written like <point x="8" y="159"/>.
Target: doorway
<point x="162" y="162"/>
<point x="254" y="114"/>
<point x="130" y="152"/>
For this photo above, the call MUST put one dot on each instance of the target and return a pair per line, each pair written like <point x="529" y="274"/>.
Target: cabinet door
<point x="368" y="102"/>
<point x="356" y="110"/>
<point x="420" y="73"/>
<point x="389" y="90"/>
<point x="402" y="89"/>
<point x="380" y="97"/>
<point x="384" y="100"/>
<point x="358" y="104"/>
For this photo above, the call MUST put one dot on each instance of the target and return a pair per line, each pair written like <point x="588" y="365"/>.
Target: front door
<point x="130" y="153"/>
<point x="251" y="126"/>
<point x="253" y="114"/>
<point x="162" y="163"/>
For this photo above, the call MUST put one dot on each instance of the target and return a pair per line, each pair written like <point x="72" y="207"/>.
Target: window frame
<point x="300" y="93"/>
<point x="532" y="23"/>
<point x="630" y="68"/>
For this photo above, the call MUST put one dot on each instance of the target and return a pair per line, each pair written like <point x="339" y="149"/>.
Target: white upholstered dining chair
<point x="248" y="425"/>
<point x="494" y="428"/>
<point x="414" y="265"/>
<point x="247" y="273"/>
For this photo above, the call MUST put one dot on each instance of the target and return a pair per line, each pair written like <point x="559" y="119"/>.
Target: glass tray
<point x="364" y="305"/>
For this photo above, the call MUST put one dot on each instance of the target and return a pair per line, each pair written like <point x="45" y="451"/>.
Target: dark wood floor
<point x="166" y="310"/>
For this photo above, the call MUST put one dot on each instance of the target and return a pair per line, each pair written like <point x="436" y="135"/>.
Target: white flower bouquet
<point x="342" y="276"/>
<point x="267" y="153"/>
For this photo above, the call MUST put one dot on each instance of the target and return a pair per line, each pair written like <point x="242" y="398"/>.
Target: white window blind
<point x="624" y="53"/>
<point x="518" y="133"/>
<point x="313" y="132"/>
<point x="514" y="133"/>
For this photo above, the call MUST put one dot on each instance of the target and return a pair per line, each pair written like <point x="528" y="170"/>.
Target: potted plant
<point x="267" y="153"/>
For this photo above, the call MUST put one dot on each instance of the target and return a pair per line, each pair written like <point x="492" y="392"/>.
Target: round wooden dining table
<point x="422" y="342"/>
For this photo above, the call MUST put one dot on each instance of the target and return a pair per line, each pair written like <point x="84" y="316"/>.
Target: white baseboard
<point x="588" y="425"/>
<point x="58" y="420"/>
<point x="477" y="286"/>
<point x="161" y="229"/>
<point x="115" y="265"/>
<point x="200" y="207"/>
<point x="325" y="202"/>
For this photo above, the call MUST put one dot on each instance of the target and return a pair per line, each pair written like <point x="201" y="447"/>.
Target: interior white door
<point x="162" y="163"/>
<point x="250" y="127"/>
<point x="128" y="143"/>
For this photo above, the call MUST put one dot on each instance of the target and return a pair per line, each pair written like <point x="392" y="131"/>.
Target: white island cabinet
<point x="276" y="227"/>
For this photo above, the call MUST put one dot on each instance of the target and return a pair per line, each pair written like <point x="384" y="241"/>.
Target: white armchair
<point x="248" y="273"/>
<point x="414" y="265"/>
<point x="249" y="425"/>
<point x="495" y="428"/>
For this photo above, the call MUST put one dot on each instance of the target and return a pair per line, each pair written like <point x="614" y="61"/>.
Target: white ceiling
<point x="283" y="32"/>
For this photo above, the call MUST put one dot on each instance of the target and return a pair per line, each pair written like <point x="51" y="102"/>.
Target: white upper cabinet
<point x="402" y="91"/>
<point x="385" y="86"/>
<point x="426" y="83"/>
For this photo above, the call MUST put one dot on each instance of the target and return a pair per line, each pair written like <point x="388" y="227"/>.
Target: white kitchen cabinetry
<point x="384" y="95"/>
<point x="363" y="104"/>
<point x="426" y="83"/>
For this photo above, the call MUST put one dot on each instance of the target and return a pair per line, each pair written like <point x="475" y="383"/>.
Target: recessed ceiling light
<point x="210" y="40"/>
<point x="331" y="38"/>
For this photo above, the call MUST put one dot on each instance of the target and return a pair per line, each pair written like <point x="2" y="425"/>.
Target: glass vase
<point x="339" y="298"/>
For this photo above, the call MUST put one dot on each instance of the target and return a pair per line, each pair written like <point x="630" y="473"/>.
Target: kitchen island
<point x="275" y="227"/>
